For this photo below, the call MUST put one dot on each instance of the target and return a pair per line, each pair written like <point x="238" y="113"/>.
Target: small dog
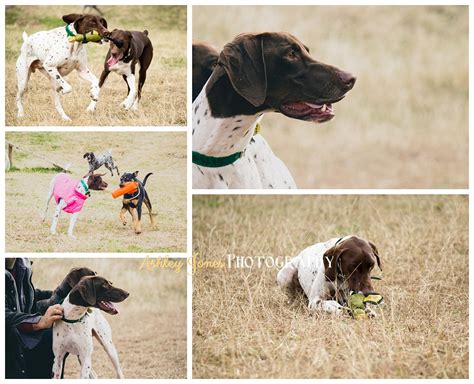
<point x="81" y="320"/>
<point x="105" y="159"/>
<point x="127" y="48"/>
<point x="70" y="196"/>
<point x="133" y="202"/>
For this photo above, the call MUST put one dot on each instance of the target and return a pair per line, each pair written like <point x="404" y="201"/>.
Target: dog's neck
<point x="220" y="136"/>
<point x="71" y="311"/>
<point x="80" y="187"/>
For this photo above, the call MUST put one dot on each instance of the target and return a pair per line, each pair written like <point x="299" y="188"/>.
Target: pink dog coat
<point x="65" y="189"/>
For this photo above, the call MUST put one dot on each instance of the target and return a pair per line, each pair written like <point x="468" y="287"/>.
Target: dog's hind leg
<point x="22" y="75"/>
<point x="150" y="211"/>
<point x="48" y="199"/>
<point x="110" y="168"/>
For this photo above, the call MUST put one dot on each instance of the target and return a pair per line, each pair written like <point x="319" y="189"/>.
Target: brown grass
<point x="150" y="330"/>
<point x="98" y="228"/>
<point x="164" y="93"/>
<point x="243" y="328"/>
<point x="405" y="123"/>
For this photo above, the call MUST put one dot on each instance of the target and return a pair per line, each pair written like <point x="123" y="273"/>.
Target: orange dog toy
<point x="130" y="187"/>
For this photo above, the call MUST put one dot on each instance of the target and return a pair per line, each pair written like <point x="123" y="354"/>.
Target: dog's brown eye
<point x="292" y="55"/>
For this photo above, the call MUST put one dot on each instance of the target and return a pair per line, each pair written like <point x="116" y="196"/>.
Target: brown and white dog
<point x="327" y="272"/>
<point x="256" y="74"/>
<point x="52" y="54"/>
<point x="127" y="48"/>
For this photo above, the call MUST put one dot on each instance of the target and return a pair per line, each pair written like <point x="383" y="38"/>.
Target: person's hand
<point x="53" y="313"/>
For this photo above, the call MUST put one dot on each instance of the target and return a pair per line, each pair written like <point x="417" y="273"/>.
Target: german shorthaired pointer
<point x="258" y="73"/>
<point x="55" y="56"/>
<point x="327" y="272"/>
<point x="127" y="48"/>
<point x="105" y="159"/>
<point x="70" y="196"/>
<point x="81" y="320"/>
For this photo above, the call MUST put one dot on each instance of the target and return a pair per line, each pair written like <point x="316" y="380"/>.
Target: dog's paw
<point x="65" y="89"/>
<point x="329" y="306"/>
<point x="53" y="232"/>
<point x="91" y="107"/>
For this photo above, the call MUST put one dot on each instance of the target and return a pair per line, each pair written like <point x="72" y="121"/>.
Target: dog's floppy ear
<point x="376" y="253"/>
<point x="244" y="63"/>
<point x="103" y="22"/>
<point x="331" y="258"/>
<point x="72" y="17"/>
<point x="86" y="155"/>
<point x="86" y="290"/>
<point x="76" y="274"/>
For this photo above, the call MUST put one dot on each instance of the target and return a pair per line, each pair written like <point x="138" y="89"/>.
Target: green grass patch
<point x="50" y="22"/>
<point x="11" y="15"/>
<point x="36" y="169"/>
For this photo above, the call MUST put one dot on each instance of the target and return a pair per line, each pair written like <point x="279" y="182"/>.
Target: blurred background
<point x="405" y="123"/>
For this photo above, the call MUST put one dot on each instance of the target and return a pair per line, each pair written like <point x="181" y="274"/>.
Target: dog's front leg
<point x="58" y="364"/>
<point x="316" y="298"/>
<point x="128" y="102"/>
<point x="86" y="366"/>
<point x="87" y="75"/>
<point x="122" y="216"/>
<point x="72" y="223"/>
<point x="57" y="212"/>
<point x="136" y="221"/>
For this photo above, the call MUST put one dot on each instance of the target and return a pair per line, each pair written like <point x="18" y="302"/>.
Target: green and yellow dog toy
<point x="89" y="37"/>
<point x="357" y="304"/>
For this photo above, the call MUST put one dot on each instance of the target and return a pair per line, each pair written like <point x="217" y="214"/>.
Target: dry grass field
<point x="150" y="330"/>
<point x="405" y="123"/>
<point x="98" y="228"/>
<point x="164" y="93"/>
<point x="243" y="328"/>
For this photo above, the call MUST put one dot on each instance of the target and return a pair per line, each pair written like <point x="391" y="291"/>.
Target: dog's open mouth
<point x="302" y="110"/>
<point x="107" y="307"/>
<point x="114" y="59"/>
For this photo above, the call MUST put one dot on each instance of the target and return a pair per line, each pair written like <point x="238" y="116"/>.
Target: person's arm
<point x="52" y="314"/>
<point x="42" y="295"/>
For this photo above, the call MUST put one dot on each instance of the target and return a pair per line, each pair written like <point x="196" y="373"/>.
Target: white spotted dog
<point x="327" y="272"/>
<point x="55" y="56"/>
<point x="255" y="74"/>
<point x="70" y="196"/>
<point x="82" y="319"/>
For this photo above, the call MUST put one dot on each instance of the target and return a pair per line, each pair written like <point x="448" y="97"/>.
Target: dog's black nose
<point x="348" y="79"/>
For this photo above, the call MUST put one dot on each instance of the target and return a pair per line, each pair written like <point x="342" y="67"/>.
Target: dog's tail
<point x="25" y="36"/>
<point x="145" y="32"/>
<point x="146" y="177"/>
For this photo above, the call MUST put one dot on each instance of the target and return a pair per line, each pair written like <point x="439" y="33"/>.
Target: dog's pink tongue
<point x="112" y="61"/>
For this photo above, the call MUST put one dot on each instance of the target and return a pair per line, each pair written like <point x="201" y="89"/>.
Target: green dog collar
<point x="76" y="320"/>
<point x="69" y="32"/>
<point x="215" y="162"/>
<point x="72" y="34"/>
<point x="85" y="187"/>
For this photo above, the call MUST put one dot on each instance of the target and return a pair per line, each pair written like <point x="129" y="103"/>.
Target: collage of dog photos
<point x="236" y="190"/>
